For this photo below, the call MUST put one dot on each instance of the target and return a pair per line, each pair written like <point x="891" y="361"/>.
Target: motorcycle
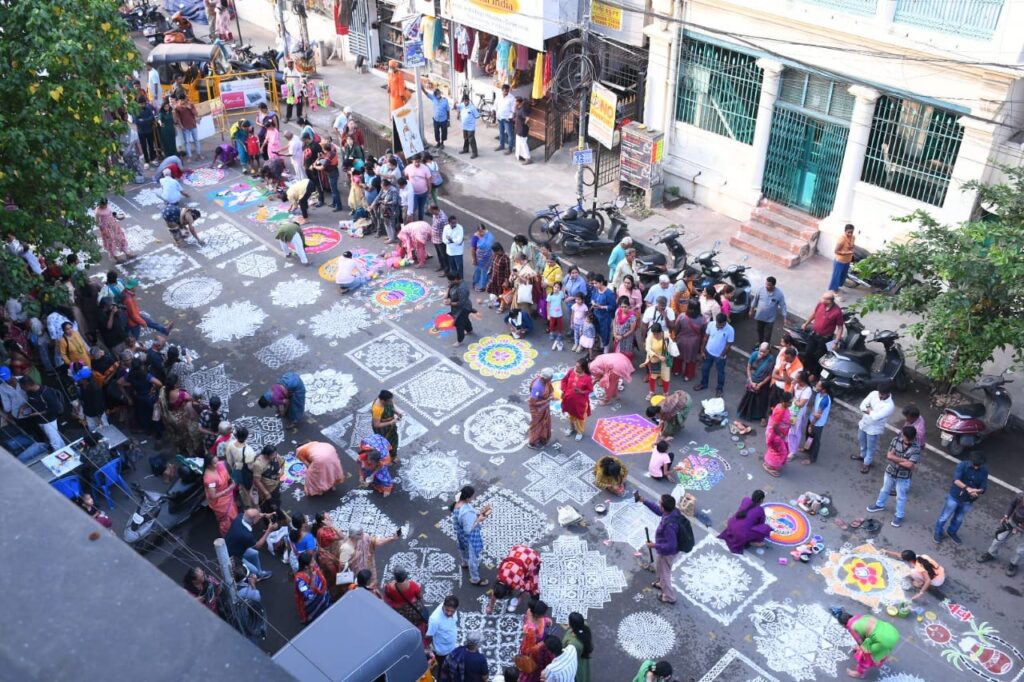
<point x="853" y="335"/>
<point x="140" y="16"/>
<point x="177" y="30"/>
<point x="159" y="513"/>
<point x="155" y="28"/>
<point x="854" y="369"/>
<point x="964" y="426"/>
<point x="651" y="265"/>
<point x="736" y="276"/>
<point x="882" y="283"/>
<point x="247" y="60"/>
<point x="577" y="233"/>
<point x="710" y="270"/>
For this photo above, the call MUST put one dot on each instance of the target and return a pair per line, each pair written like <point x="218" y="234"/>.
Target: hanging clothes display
<point x="548" y="68"/>
<point x="427" y="27"/>
<point x="504" y="50"/>
<point x="463" y="47"/>
<point x="522" y="57"/>
<point x="342" y="16"/>
<point x="538" y="78"/>
<point x="438" y="35"/>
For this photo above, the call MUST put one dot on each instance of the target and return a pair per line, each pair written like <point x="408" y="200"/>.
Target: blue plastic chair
<point x="70" y="487"/>
<point x="108" y="476"/>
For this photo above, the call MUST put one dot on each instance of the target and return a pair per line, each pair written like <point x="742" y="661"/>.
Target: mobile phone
<point x="636" y="495"/>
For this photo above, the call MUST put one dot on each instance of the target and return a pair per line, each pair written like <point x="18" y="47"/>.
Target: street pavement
<point x="251" y="315"/>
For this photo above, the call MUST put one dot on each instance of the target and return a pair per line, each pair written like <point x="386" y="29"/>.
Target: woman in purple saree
<point x="747" y="526"/>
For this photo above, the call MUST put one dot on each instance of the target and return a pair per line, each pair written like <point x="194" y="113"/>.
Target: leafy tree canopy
<point x="66" y="63"/>
<point x="965" y="284"/>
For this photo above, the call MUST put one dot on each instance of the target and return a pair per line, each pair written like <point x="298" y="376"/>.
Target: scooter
<point x="710" y="270"/>
<point x="651" y="265"/>
<point x="735" y="276"/>
<point x="853" y="335"/>
<point x="853" y="369"/>
<point x="964" y="426"/>
<point x="155" y="28"/>
<point x="141" y="15"/>
<point x="159" y="513"/>
<point x="883" y="284"/>
<point x="577" y="233"/>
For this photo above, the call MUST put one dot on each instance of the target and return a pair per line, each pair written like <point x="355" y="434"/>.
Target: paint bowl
<point x="817" y="538"/>
<point x="871" y="526"/>
<point x="741" y="445"/>
<point x="656" y="400"/>
<point x="735" y="439"/>
<point x="805" y="558"/>
<point x="601" y="508"/>
<point x="818" y="548"/>
<point x="824" y="511"/>
<point x="892" y="610"/>
<point x="930" y="615"/>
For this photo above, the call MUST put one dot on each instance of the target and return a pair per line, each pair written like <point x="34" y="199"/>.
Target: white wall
<point x="262" y="13"/>
<point x="710" y="170"/>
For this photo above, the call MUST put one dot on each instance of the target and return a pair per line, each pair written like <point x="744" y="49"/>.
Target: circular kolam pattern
<point x="271" y="213"/>
<point x="500" y="356"/>
<point x="646" y="635"/>
<point x="319" y="239"/>
<point x="790" y="526"/>
<point x="372" y="264"/>
<point x="192" y="292"/>
<point x="204" y="177"/>
<point x="400" y="291"/>
<point x="441" y="325"/>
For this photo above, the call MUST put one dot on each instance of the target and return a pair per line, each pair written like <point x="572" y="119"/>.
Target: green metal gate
<point x="804" y="157"/>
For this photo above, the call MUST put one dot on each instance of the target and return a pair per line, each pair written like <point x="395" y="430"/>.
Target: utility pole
<point x="227" y="577"/>
<point x="581" y="143"/>
<point x="280" y="10"/>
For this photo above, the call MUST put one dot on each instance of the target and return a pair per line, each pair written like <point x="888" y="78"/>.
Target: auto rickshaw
<point x="196" y="62"/>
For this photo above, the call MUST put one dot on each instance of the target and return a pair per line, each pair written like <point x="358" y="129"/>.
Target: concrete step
<point x="767" y="250"/>
<point x="785" y="221"/>
<point x="780" y="238"/>
<point x="794" y="214"/>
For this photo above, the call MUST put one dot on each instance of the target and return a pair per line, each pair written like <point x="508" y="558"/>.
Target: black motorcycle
<point x="141" y="15"/>
<point x="882" y="283"/>
<point x="651" y="265"/>
<point x="854" y="369"/>
<point x="159" y="513"/>
<point x="710" y="271"/>
<point x="853" y="334"/>
<point x="577" y="233"/>
<point x="736" y="276"/>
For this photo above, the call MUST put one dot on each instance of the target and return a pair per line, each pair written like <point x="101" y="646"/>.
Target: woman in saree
<point x="323" y="468"/>
<point x="802" y="394"/>
<point x="533" y="655"/>
<point x="610" y="474"/>
<point x="288" y="396"/>
<point x="328" y="542"/>
<point x="689" y="328"/>
<point x="364" y="551"/>
<point x="501" y="270"/>
<point x="165" y="121"/>
<point x="624" y="325"/>
<point x="219" y="492"/>
<point x="525" y="284"/>
<point x="578" y="635"/>
<point x="657" y="359"/>
<point x="747" y="526"/>
<point x="374" y="472"/>
<point x="406" y="596"/>
<point x="576" y="389"/>
<point x="385" y="417"/>
<point x="754" y="404"/>
<point x="111" y="233"/>
<point x="875" y="639"/>
<point x="777" y="436"/>
<point x="180" y="418"/>
<point x="541" y="392"/>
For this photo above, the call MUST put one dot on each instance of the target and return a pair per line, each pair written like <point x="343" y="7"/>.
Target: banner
<point x="246" y="93"/>
<point x="606" y="16"/>
<point x="408" y="130"/>
<point x="602" y="115"/>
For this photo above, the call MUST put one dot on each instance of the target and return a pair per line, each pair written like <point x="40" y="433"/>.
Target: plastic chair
<point x="107" y="477"/>
<point x="70" y="487"/>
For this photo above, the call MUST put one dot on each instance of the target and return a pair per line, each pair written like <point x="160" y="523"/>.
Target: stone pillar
<point x="884" y="14"/>
<point x="763" y="127"/>
<point x="971" y="162"/>
<point x="856" y="148"/>
<point x="660" y="71"/>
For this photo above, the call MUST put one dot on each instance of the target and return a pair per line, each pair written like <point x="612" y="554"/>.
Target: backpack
<point x="684" y="535"/>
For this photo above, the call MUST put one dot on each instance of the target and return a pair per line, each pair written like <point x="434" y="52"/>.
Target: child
<point x="252" y="148"/>
<point x="579" y="318"/>
<point x="556" y="326"/>
<point x="588" y="334"/>
<point x="661" y="461"/>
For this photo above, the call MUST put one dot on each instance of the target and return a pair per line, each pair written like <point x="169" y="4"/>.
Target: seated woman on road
<point x="747" y="526"/>
<point x="925" y="572"/>
<point x="610" y="474"/>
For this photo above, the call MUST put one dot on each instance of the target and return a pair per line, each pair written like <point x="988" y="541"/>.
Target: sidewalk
<point x="493" y="176"/>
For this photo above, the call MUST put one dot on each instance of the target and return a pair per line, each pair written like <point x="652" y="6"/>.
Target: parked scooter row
<point x="578" y="229"/>
<point x="141" y="15"/>
<point x="160" y="512"/>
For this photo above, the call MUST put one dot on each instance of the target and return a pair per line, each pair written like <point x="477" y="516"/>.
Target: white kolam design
<point x="802" y="640"/>
<point x="561" y="477"/>
<point x="498" y="427"/>
<point x="646" y="635"/>
<point x="328" y="390"/>
<point x="340" y="321"/>
<point x="231" y="321"/>
<point x="282" y="352"/>
<point x="388" y="355"/>
<point x="192" y="292"/>
<point x="296" y="291"/>
<point x="576" y="578"/>
<point x="513" y="521"/>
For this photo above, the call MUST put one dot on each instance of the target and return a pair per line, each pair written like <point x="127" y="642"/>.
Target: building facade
<point x="836" y="110"/>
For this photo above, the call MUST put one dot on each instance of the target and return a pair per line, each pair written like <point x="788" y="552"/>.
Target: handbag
<point x="673" y="348"/>
<point x="421" y="612"/>
<point x="345" y="576"/>
<point x="524" y="293"/>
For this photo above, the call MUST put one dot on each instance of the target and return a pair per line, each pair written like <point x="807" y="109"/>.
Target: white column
<point x="763" y="128"/>
<point x="856" y="148"/>
<point x="884" y="14"/>
<point x="971" y="162"/>
<point x="660" y="71"/>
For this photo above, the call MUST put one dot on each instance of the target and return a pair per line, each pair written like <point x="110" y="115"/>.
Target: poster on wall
<point x="408" y="130"/>
<point x="640" y="160"/>
<point x="245" y="93"/>
<point x="602" y="115"/>
<point x="606" y="16"/>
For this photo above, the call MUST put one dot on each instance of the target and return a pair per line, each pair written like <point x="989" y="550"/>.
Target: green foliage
<point x="66" y="63"/>
<point x="965" y="283"/>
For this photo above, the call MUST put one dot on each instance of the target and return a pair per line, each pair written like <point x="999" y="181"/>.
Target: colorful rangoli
<point x="865" y="575"/>
<point x="271" y="213"/>
<point x="319" y="239"/>
<point x="441" y="324"/>
<point x="790" y="526"/>
<point x="204" y="177"/>
<point x="372" y="264"/>
<point x="699" y="473"/>
<point x="500" y="356"/>
<point x="239" y="196"/>
<point x="400" y="291"/>
<point x="628" y="434"/>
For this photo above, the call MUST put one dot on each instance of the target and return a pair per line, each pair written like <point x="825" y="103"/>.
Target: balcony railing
<point x="865" y="7"/>
<point x="969" y="18"/>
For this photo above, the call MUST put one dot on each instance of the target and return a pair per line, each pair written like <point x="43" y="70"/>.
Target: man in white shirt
<point x="876" y="408"/>
<point x="506" y="109"/>
<point x="153" y="83"/>
<point x="659" y="312"/>
<point x="294" y="145"/>
<point x="341" y="121"/>
<point x="453" y="237"/>
<point x="350" y="274"/>
<point x="563" y="668"/>
<point x="624" y="268"/>
<point x="408" y="200"/>
<point x="662" y="288"/>
<point x="170" y="189"/>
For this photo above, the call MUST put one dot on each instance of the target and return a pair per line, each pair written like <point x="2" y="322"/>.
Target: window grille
<point x="912" y="149"/>
<point x="719" y="90"/>
<point x="969" y="18"/>
<point x="817" y="94"/>
<point x="865" y="7"/>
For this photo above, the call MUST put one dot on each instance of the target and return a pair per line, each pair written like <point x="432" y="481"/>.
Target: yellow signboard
<point x="606" y="15"/>
<point x="602" y="115"/>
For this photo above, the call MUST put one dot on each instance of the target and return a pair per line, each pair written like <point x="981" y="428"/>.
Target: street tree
<point x="67" y="64"/>
<point x="964" y="284"/>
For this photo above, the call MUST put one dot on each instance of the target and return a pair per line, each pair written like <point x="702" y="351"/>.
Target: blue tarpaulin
<point x="192" y="9"/>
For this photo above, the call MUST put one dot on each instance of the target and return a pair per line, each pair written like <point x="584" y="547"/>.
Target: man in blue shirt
<point x="820" y="408"/>
<point x="443" y="629"/>
<point x="718" y="339"/>
<point x="468" y="114"/>
<point x="969" y="483"/>
<point x="442" y="114"/>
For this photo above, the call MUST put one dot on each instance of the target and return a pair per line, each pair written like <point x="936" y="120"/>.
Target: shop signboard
<point x="613" y="21"/>
<point x="605" y="16"/>
<point x="524" y="22"/>
<point x="601" y="126"/>
<point x="640" y="161"/>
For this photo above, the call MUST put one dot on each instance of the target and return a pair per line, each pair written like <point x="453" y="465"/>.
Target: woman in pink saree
<point x="219" y="492"/>
<point x="323" y="468"/>
<point x="608" y="369"/>
<point x="777" y="436"/>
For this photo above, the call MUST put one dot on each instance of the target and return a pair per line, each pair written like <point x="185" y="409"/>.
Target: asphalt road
<point x="771" y="614"/>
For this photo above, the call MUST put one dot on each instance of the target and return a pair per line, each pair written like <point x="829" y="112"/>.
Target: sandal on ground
<point x="667" y="601"/>
<point x="842" y="524"/>
<point x="771" y="472"/>
<point x="856" y="523"/>
<point x="479" y="583"/>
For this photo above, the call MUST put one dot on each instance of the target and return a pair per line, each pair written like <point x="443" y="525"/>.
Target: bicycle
<point x="485" y="105"/>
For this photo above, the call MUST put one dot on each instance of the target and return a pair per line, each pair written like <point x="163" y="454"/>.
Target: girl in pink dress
<point x="777" y="436"/>
<point x="111" y="234"/>
<point x="272" y="139"/>
<point x="219" y="492"/>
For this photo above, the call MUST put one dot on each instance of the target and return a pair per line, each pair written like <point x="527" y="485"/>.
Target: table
<point x="50" y="467"/>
